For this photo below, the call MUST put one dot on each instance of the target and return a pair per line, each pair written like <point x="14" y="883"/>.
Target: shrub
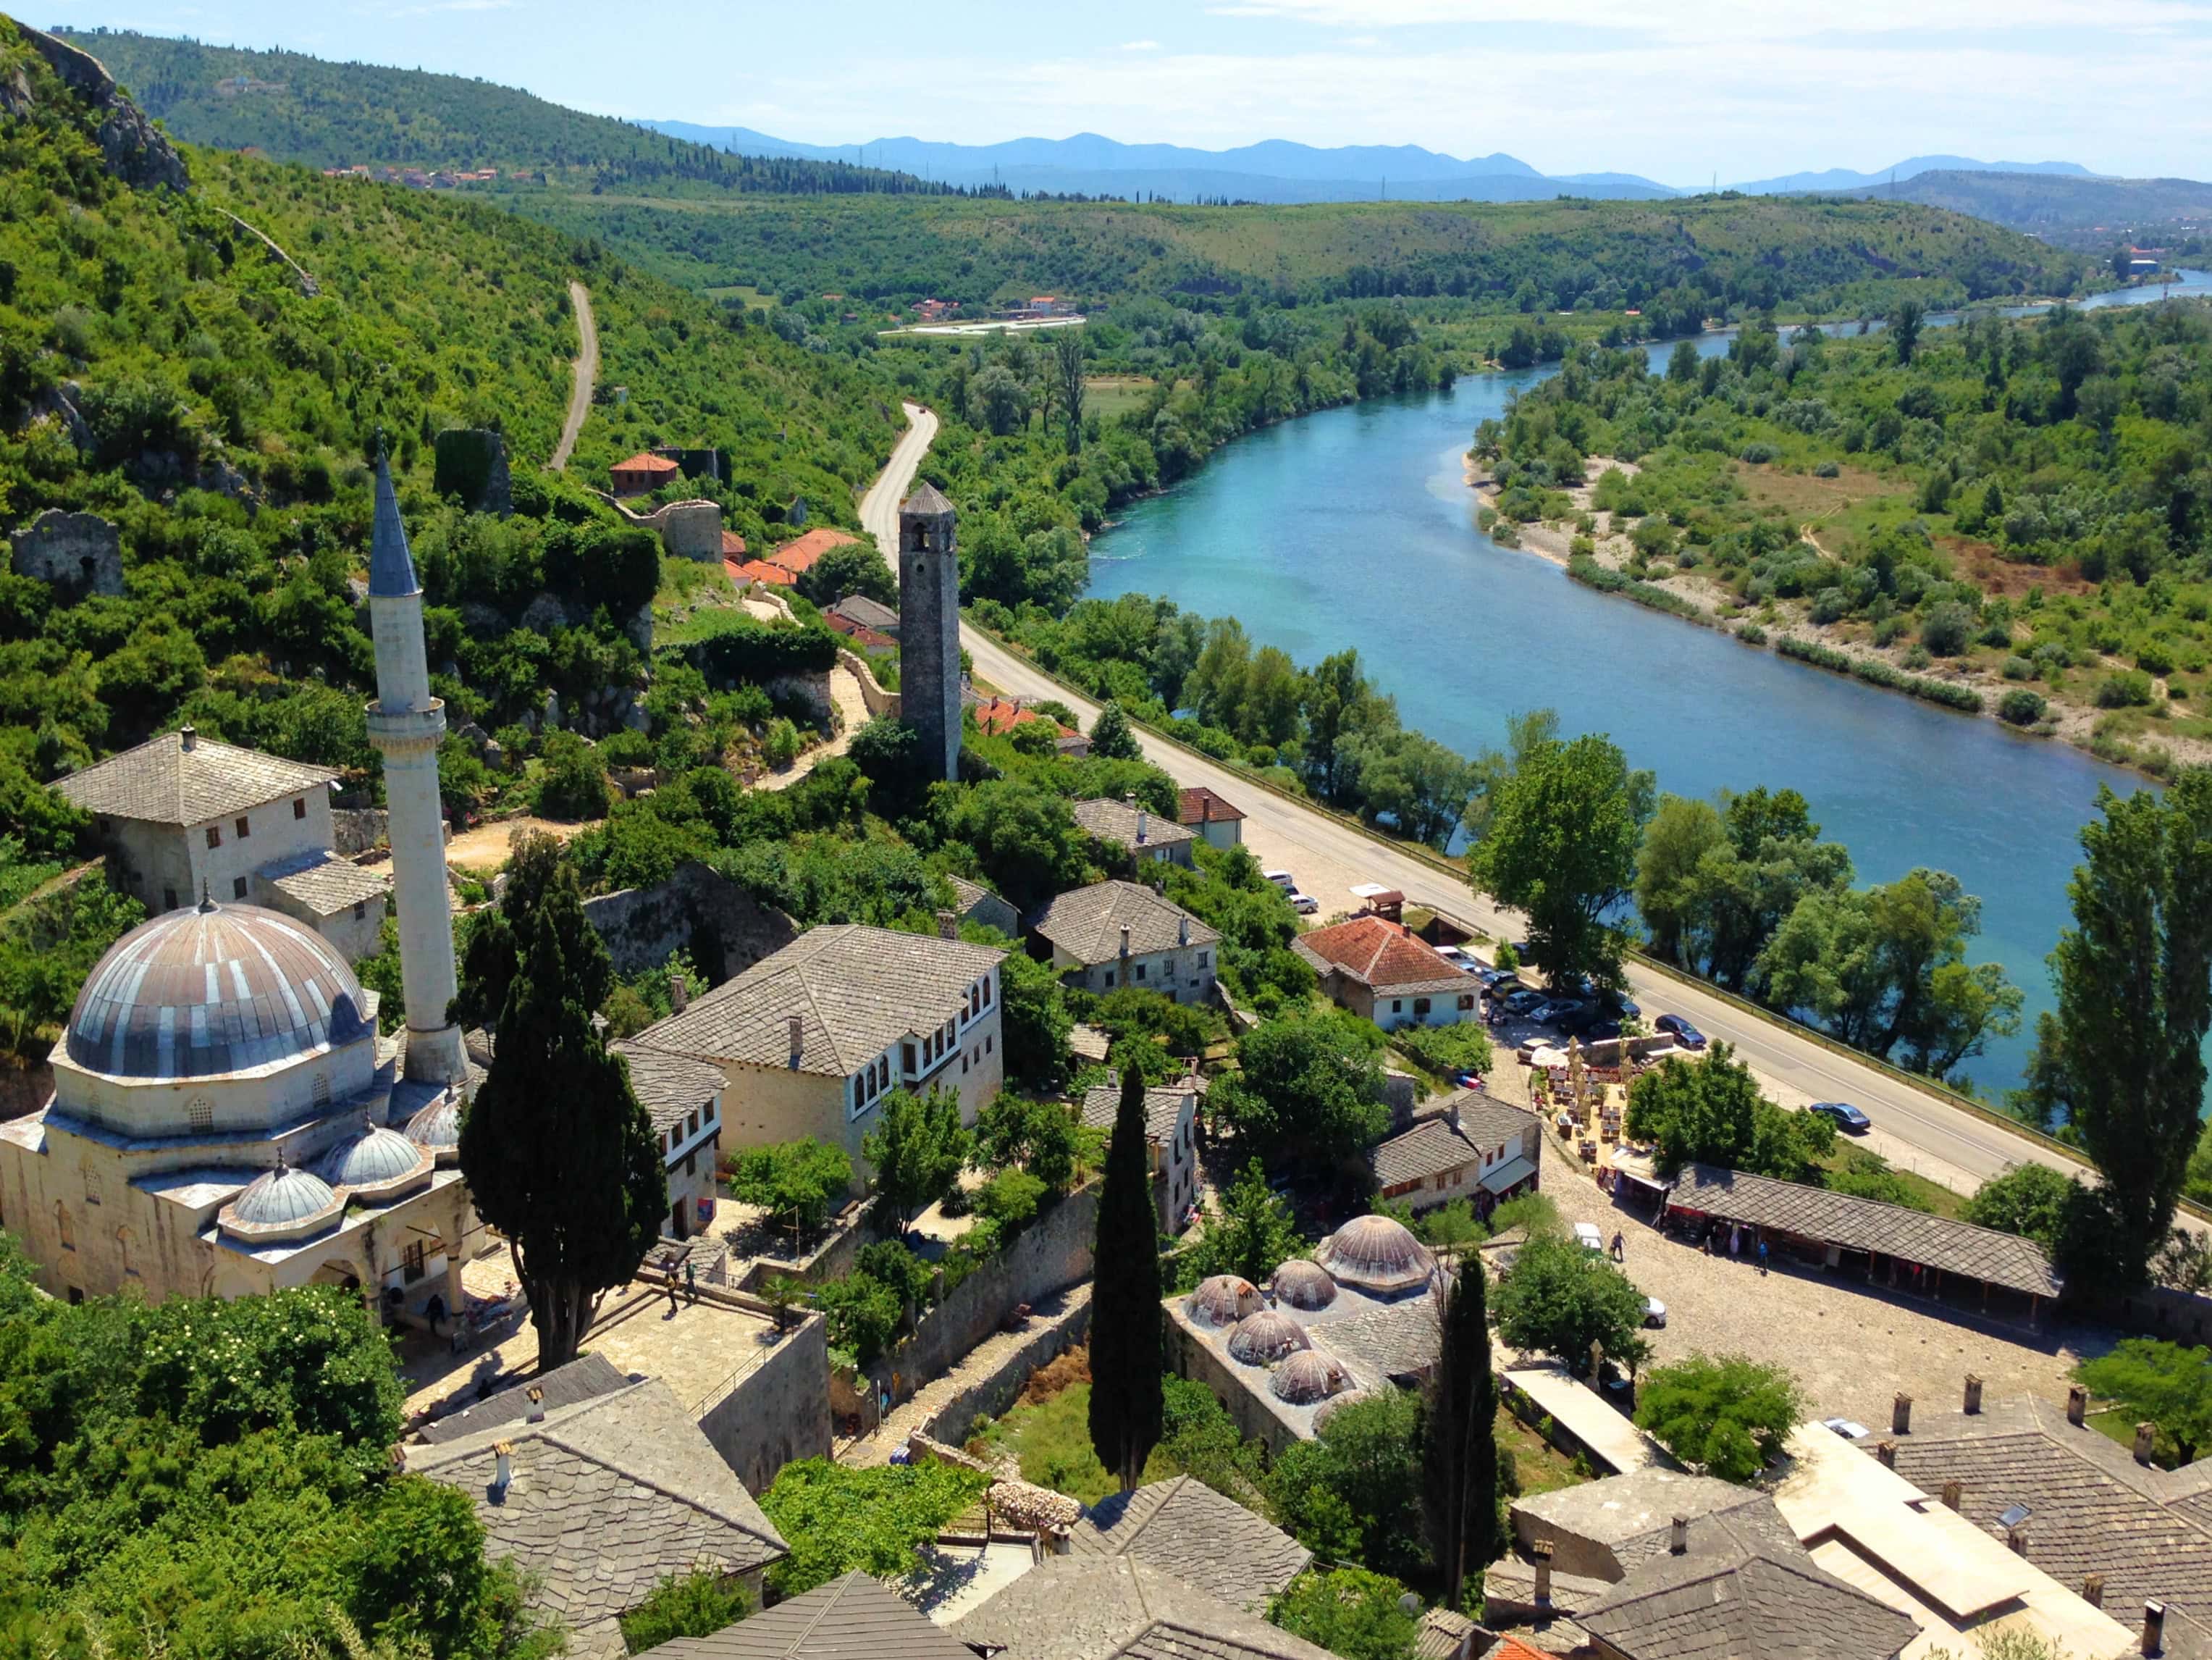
<point x="1825" y="470"/>
<point x="1011" y="1199"/>
<point x="2021" y="707"/>
<point x="1757" y="454"/>
<point x="694" y="1604"/>
<point x="1916" y="656"/>
<point x="780" y="744"/>
<point x="2018" y="668"/>
<point x="574" y="783"/>
<point x="2155" y="659"/>
<point x="1751" y="634"/>
<point x="1947" y="628"/>
<point x="2127" y="688"/>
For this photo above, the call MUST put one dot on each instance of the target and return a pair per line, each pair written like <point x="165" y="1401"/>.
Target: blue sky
<point x="1675" y="89"/>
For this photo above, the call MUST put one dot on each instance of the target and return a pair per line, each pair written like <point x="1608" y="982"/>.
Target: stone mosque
<point x="226" y="1119"/>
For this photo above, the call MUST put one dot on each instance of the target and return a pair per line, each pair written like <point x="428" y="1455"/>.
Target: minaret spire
<point x="405" y="724"/>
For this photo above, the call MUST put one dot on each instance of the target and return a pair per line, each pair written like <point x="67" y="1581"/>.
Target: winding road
<point x="586" y="374"/>
<point x="1912" y="1128"/>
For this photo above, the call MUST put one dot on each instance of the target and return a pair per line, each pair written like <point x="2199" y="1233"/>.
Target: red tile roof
<point x="999" y="715"/>
<point x="1217" y="810"/>
<point x="801" y="555"/>
<point x="733" y="546"/>
<point x="645" y="461"/>
<point x="1378" y="953"/>
<point x="759" y="570"/>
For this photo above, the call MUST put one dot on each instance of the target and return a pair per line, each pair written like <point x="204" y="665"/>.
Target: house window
<point x="987" y="993"/>
<point x="1420" y="1006"/>
<point x="691" y="1159"/>
<point x="360" y="909"/>
<point x="710" y="1112"/>
<point x="906" y="1051"/>
<point x="238" y="887"/>
<point x="1467" y="999"/>
<point x="168" y="899"/>
<point x="245" y="828"/>
<point x="1141" y="971"/>
<point x="215" y="835"/>
<point x="1202" y="959"/>
<point x="987" y="1042"/>
<point x="299" y="806"/>
<point x="963" y="1065"/>
<point x="1397" y="1005"/>
<point x="1110" y="979"/>
<point x="695" y="1121"/>
<point x="413" y="1261"/>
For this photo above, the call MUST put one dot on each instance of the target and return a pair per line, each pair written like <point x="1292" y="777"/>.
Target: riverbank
<point x="1693" y="597"/>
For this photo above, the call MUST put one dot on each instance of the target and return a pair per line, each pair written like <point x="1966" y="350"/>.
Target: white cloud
<point x="1140" y="45"/>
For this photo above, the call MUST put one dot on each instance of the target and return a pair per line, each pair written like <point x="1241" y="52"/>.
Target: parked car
<point x="1844" y="1115"/>
<point x="1467" y="1080"/>
<point x="1556" y="1011"/>
<point x="1282" y="879"/>
<point x="1845" y="1428"/>
<point x="1588" y="1236"/>
<point x="1459" y="959"/>
<point x="1675" y="1026"/>
<point x="1601" y="1031"/>
<point x="1520" y="1002"/>
<point x="1499" y="981"/>
<point x="1655" y="1311"/>
<point x="1304" y="903"/>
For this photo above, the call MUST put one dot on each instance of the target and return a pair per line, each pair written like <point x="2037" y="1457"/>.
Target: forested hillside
<point x="2096" y="214"/>
<point x="298" y="108"/>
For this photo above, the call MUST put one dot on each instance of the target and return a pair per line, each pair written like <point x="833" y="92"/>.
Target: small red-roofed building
<point x="1382" y="972"/>
<point x="642" y="473"/>
<point x="1214" y="821"/>
<point x="802" y="554"/>
<point x="759" y="570"/>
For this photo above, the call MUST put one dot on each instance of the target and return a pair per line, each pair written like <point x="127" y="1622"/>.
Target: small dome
<point x="438" y="1126"/>
<point x="212" y="990"/>
<point x="1303" y="1284"/>
<point x="1268" y="1335"/>
<point x="1306" y="1378"/>
<point x="281" y="1198"/>
<point x="1223" y="1300"/>
<point x="1377" y="1254"/>
<point x="371" y="1159"/>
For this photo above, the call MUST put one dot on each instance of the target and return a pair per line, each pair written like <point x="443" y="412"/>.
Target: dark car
<point x="1680" y="1031"/>
<point x="1522" y="1001"/>
<point x="1846" y="1117"/>
<point x="1601" y="1031"/>
<point x="1499" y="981"/>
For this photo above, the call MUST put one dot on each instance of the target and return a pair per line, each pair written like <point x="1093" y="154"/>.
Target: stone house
<point x="809" y="1039"/>
<point x="1117" y="933"/>
<point x="1216" y="821"/>
<point x="976" y="903"/>
<point x="183" y="818"/>
<point x="864" y="612"/>
<point x="1471" y="1148"/>
<point x="642" y="474"/>
<point x="1170" y="1139"/>
<point x="1146" y="836"/>
<point x="683" y="1098"/>
<point x="1382" y="972"/>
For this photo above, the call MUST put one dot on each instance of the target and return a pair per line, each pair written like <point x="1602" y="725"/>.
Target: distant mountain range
<point x="1278" y="170"/>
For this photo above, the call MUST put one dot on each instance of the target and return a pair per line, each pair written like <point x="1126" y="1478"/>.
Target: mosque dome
<point x="1303" y="1284"/>
<point x="373" y="1158"/>
<point x="1268" y="1335"/>
<point x="1377" y="1254"/>
<point x="1306" y="1378"/>
<point x="213" y="990"/>
<point x="437" y="1127"/>
<point x="1223" y="1300"/>
<point x="281" y="1198"/>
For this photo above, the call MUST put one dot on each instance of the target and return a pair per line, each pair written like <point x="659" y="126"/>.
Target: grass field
<point x="1052" y="1440"/>
<point x="1932" y="1196"/>
<point x="1107" y="396"/>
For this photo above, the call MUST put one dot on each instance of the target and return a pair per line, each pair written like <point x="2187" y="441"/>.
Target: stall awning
<point x="1508" y="1176"/>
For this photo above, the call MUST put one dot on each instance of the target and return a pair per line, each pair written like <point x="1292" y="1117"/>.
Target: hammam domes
<point x="375" y="1160"/>
<point x="1223" y="1300"/>
<point x="1377" y="1255"/>
<point x="1307" y="1377"/>
<point x="211" y="991"/>
<point x="1303" y="1284"/>
<point x="281" y="1200"/>
<point x="1268" y="1335"/>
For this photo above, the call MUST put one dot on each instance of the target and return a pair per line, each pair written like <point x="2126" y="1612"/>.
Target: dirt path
<point x="852" y="715"/>
<point x="486" y="846"/>
<point x="587" y="375"/>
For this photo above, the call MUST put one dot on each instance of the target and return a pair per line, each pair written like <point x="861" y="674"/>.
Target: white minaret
<point x="404" y="725"/>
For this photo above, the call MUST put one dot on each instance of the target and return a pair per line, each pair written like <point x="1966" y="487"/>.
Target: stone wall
<point x="832" y="1259"/>
<point x="75" y="554"/>
<point x="355" y="830"/>
<point x="690" y="530"/>
<point x="879" y="702"/>
<point x="780" y="1411"/>
<point x="724" y="927"/>
<point x="998" y="1388"/>
<point x="811" y="689"/>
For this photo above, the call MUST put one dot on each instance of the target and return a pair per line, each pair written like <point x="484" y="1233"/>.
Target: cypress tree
<point x="1126" y="1401"/>
<point x="558" y="1154"/>
<point x="1460" y="1436"/>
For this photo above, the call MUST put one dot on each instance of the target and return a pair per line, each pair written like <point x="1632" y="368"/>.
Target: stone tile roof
<point x="1380" y="954"/>
<point x="1395" y="1340"/>
<point x="1936" y="1241"/>
<point x="851" y="1618"/>
<point x="1087" y="923"/>
<point x="973" y="896"/>
<point x="1116" y="821"/>
<point x="325" y="884"/>
<point x="1631" y="1517"/>
<point x="1744" y="1589"/>
<point x="803" y="553"/>
<point x="868" y="613"/>
<point x="669" y="1086"/>
<point x="608" y="1498"/>
<point x="856" y="991"/>
<point x="1185" y="1527"/>
<point x="1163" y="1107"/>
<point x="1115" y="1607"/>
<point x="927" y="502"/>
<point x="2092" y="1508"/>
<point x="1200" y="800"/>
<point x="163" y="782"/>
<point x="1443" y="1634"/>
<point x="1436" y="1144"/>
<point x="585" y="1378"/>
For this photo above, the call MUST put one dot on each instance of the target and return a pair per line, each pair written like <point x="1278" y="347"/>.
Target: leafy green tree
<point x="1420" y="787"/>
<point x="1353" y="1492"/>
<point x="917" y="1149"/>
<point x="1561" y="1297"/>
<point x="559" y="1155"/>
<point x="694" y="1604"/>
<point x="799" y="1180"/>
<point x="1682" y="833"/>
<point x="840" y="1518"/>
<point x="2031" y="1199"/>
<point x="1348" y="1611"/>
<point x="849" y="569"/>
<point x="1709" y="1111"/>
<point x="1459" y="1449"/>
<point x="1723" y="1414"/>
<point x="1067" y="371"/>
<point x="1904" y="326"/>
<point x="1250" y="1235"/>
<point x="1561" y="846"/>
<point x="1310" y="1087"/>
<point x="862" y="1313"/>
<point x="2158" y="1383"/>
<point x="2122" y="1060"/>
<point x="1112" y="737"/>
<point x="1018" y="1132"/>
<point x="1125" y="1348"/>
<point x="1034" y="1022"/>
<point x="1024" y="838"/>
<point x="574" y="784"/>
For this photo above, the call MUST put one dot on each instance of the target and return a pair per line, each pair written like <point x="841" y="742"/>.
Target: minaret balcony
<point x="405" y="729"/>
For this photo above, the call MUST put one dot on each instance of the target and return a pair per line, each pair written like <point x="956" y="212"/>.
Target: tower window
<point x="215" y="835"/>
<point x="299" y="806"/>
<point x="245" y="828"/>
<point x="168" y="899"/>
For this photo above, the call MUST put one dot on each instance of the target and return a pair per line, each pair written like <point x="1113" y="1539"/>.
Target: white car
<point x="1304" y="903"/>
<point x="1845" y="1428"/>
<point x="1281" y="879"/>
<point x="1588" y="1236"/>
<point x="1655" y="1311"/>
<point x="1459" y="959"/>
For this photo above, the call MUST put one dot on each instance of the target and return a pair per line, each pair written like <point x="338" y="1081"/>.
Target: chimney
<point x="2077" y="1405"/>
<point x="1885" y="1453"/>
<point x="186" y="737"/>
<point x="2093" y="1590"/>
<point x="1900" y="1414"/>
<point x="679" y="992"/>
<point x="536" y="1406"/>
<point x="2153" y="1632"/>
<point x="1541" y="1552"/>
<point x="503" y="1455"/>
<point x="1125" y="943"/>
<point x="1204" y="811"/>
<point x="2146" y="1439"/>
<point x="948" y="925"/>
<point x="2016" y="1540"/>
<point x="1182" y="929"/>
<point x="1678" y="1540"/>
<point x="1954" y="1495"/>
<point x="1141" y="826"/>
<point x="1451" y="1113"/>
<point x="1973" y="1394"/>
<point x="797" y="1047"/>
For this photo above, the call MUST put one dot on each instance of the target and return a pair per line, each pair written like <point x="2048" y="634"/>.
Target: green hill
<point x="297" y="108"/>
<point x="2085" y="213"/>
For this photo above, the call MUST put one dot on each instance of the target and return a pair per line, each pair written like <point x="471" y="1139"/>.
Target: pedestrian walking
<point x="1762" y="1256"/>
<point x="1736" y="1239"/>
<point x="672" y="1304"/>
<point x="1619" y="1246"/>
<point x="690" y="1280"/>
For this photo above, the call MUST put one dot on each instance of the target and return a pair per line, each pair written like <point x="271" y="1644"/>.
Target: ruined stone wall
<point x="696" y="910"/>
<point x="75" y="554"/>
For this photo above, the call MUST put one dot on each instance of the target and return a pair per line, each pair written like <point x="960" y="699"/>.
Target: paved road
<point x="1913" y="1129"/>
<point x="587" y="370"/>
